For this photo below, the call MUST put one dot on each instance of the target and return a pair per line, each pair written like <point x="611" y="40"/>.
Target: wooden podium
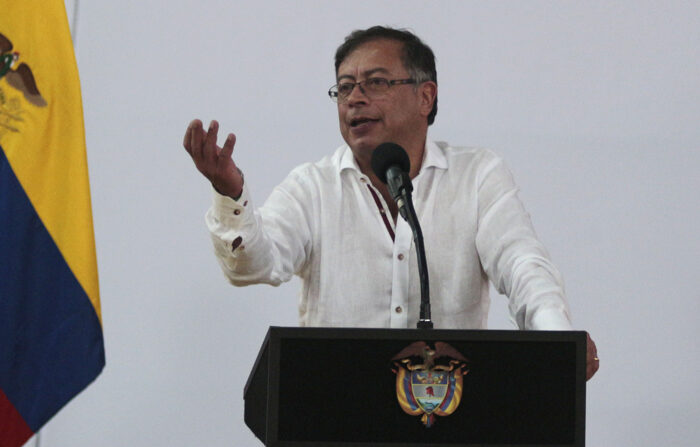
<point x="338" y="387"/>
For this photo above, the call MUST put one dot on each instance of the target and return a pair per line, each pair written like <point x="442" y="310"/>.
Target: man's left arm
<point x="516" y="262"/>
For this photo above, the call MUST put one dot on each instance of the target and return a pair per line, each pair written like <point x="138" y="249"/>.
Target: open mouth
<point x="359" y="121"/>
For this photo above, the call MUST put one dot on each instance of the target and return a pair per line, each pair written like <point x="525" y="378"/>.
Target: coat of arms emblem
<point x="20" y="78"/>
<point x="429" y="381"/>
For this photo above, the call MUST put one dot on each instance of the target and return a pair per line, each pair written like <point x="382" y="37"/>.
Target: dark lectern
<point x="408" y="387"/>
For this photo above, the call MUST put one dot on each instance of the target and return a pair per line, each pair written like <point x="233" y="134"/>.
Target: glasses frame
<point x="335" y="96"/>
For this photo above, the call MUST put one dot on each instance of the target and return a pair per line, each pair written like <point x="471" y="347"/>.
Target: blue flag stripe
<point x="50" y="336"/>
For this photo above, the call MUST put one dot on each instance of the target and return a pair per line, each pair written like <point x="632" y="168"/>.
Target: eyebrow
<point x="366" y="73"/>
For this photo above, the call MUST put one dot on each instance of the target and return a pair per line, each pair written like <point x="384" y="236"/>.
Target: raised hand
<point x="214" y="162"/>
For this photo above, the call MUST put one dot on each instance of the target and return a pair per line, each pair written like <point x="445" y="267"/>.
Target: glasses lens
<point x="344" y="90"/>
<point x="333" y="93"/>
<point x="376" y="85"/>
<point x="371" y="86"/>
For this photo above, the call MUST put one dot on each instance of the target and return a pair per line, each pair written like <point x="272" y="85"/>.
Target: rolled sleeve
<point x="266" y="245"/>
<point x="236" y="233"/>
<point x="231" y="221"/>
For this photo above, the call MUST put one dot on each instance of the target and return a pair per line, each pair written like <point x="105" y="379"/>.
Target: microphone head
<point x="386" y="155"/>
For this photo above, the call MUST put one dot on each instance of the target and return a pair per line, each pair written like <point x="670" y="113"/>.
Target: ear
<point x="428" y="93"/>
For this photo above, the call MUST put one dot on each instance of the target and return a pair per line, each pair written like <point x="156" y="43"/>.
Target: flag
<point x="51" y="344"/>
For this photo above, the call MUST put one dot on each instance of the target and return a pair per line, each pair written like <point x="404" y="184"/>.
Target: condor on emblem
<point x="429" y="381"/>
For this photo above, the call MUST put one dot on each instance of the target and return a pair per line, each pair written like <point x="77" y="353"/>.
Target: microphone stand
<point x="408" y="212"/>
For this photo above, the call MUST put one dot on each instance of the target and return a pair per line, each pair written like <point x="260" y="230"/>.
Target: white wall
<point x="595" y="105"/>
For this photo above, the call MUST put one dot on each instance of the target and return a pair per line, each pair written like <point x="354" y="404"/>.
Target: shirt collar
<point x="432" y="157"/>
<point x="347" y="160"/>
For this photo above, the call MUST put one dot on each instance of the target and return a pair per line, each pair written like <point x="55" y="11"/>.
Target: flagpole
<point x="74" y="28"/>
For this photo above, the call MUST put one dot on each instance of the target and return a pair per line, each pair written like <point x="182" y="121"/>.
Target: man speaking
<point x="334" y="222"/>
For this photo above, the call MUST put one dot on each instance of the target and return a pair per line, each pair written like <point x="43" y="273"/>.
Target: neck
<point x="415" y="155"/>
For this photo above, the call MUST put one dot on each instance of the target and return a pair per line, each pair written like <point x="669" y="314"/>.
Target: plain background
<point x="595" y="105"/>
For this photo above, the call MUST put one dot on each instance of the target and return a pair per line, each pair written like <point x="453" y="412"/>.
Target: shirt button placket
<point x="400" y="280"/>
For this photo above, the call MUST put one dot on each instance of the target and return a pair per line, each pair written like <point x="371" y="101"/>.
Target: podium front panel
<point x="332" y="387"/>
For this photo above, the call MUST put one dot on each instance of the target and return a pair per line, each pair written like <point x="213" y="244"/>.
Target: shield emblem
<point x="429" y="381"/>
<point x="429" y="388"/>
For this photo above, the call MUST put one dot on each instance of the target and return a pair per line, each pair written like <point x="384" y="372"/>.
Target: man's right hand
<point x="213" y="161"/>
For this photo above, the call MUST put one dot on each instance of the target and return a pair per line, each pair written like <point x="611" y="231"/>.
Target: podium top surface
<point x="407" y="334"/>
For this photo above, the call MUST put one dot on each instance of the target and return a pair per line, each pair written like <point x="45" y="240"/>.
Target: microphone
<point x="391" y="164"/>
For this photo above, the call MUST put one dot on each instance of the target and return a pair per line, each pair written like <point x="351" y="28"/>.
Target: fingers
<point x="197" y="141"/>
<point x="201" y="144"/>
<point x="209" y="149"/>
<point x="227" y="150"/>
<point x="214" y="162"/>
<point x="188" y="140"/>
<point x="591" y="369"/>
<point x="592" y="361"/>
<point x="228" y="174"/>
<point x="193" y="140"/>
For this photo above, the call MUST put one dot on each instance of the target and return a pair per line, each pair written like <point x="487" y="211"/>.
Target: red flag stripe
<point x="14" y="432"/>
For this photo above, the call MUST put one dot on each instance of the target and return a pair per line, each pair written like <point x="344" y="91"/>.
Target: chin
<point x="363" y="145"/>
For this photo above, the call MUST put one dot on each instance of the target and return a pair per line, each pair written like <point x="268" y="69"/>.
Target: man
<point x="335" y="225"/>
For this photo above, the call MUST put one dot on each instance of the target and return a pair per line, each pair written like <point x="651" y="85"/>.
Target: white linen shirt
<point x="329" y="225"/>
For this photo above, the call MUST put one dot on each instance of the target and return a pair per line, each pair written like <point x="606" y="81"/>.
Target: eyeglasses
<point x="370" y="87"/>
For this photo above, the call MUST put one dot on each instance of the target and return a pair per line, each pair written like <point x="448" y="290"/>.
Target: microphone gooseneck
<point x="391" y="164"/>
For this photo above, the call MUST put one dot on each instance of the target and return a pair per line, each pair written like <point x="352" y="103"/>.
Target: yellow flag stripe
<point x="47" y="149"/>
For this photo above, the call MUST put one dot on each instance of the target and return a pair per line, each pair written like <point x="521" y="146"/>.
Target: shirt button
<point x="363" y="180"/>
<point x="398" y="309"/>
<point x="236" y="212"/>
<point x="400" y="256"/>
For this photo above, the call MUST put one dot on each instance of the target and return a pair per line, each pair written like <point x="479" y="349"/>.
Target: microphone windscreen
<point x="386" y="155"/>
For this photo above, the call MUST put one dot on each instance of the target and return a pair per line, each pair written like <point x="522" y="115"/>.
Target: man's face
<point x="399" y="115"/>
